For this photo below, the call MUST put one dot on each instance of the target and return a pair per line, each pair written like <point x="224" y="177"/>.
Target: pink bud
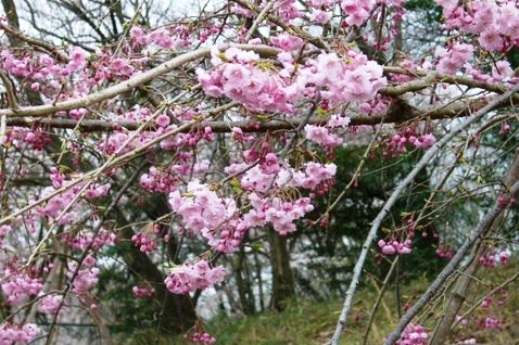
<point x="388" y="249"/>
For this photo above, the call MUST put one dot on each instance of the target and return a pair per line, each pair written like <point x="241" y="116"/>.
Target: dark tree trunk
<point x="282" y="278"/>
<point x="243" y="280"/>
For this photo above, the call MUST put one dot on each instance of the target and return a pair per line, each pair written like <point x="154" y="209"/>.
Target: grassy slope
<point x="310" y="323"/>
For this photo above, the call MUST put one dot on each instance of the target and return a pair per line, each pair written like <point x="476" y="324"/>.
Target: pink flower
<point x="357" y="10"/>
<point x="77" y="59"/>
<point x="287" y="42"/>
<point x="162" y="120"/>
<point x="320" y="16"/>
<point x="454" y="58"/>
<point x="388" y="249"/>
<point x="161" y="38"/>
<point x="413" y="335"/>
<point x="50" y="303"/>
<point x="211" y="82"/>
<point x="137" y="35"/>
<point x="322" y="136"/>
<point x="490" y="39"/>
<point x="191" y="277"/>
<point x="501" y="70"/>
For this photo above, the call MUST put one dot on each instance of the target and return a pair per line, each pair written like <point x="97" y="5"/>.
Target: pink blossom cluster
<point x="326" y="136"/>
<point x="136" y="113"/>
<point x="228" y="237"/>
<point x="56" y="177"/>
<point x="279" y="213"/>
<point x="34" y="137"/>
<point x="41" y="68"/>
<point x="194" y="276"/>
<point x="445" y="251"/>
<point x="142" y="291"/>
<point x="505" y="200"/>
<point x="204" y="213"/>
<point x="260" y="178"/>
<point x="57" y="204"/>
<point x="453" y="58"/>
<point x="287" y="10"/>
<point x="175" y="36"/>
<point x="158" y="180"/>
<point x="145" y="241"/>
<point x="184" y="139"/>
<point x="23" y="333"/>
<point x="241" y="11"/>
<point x="313" y="175"/>
<point x="395" y="247"/>
<point x="494" y="22"/>
<point x="355" y="79"/>
<point x="413" y="335"/>
<point x="287" y="42"/>
<point x="108" y="67"/>
<point x="17" y="286"/>
<point x="241" y="77"/>
<point x="357" y="11"/>
<point x="322" y="136"/>
<point x="397" y="143"/>
<point x="504" y="128"/>
<point x="85" y="278"/>
<point x="491" y="323"/>
<point x="97" y="190"/>
<point x="201" y="208"/>
<point x="46" y="75"/>
<point x="320" y="10"/>
<point x="200" y="338"/>
<point x="86" y="238"/>
<point x="50" y="303"/>
<point x="501" y="72"/>
<point x="490" y="259"/>
<point x="114" y="142"/>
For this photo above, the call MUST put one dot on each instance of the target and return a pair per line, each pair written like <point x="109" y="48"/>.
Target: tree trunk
<point x="282" y="279"/>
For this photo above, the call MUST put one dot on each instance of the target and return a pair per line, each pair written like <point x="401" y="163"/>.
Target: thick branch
<point x="137" y="80"/>
<point x="400" y="112"/>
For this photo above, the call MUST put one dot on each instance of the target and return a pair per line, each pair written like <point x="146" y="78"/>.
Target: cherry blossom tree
<point x="166" y="144"/>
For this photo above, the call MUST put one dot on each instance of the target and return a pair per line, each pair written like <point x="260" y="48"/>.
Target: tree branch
<point x="137" y="80"/>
